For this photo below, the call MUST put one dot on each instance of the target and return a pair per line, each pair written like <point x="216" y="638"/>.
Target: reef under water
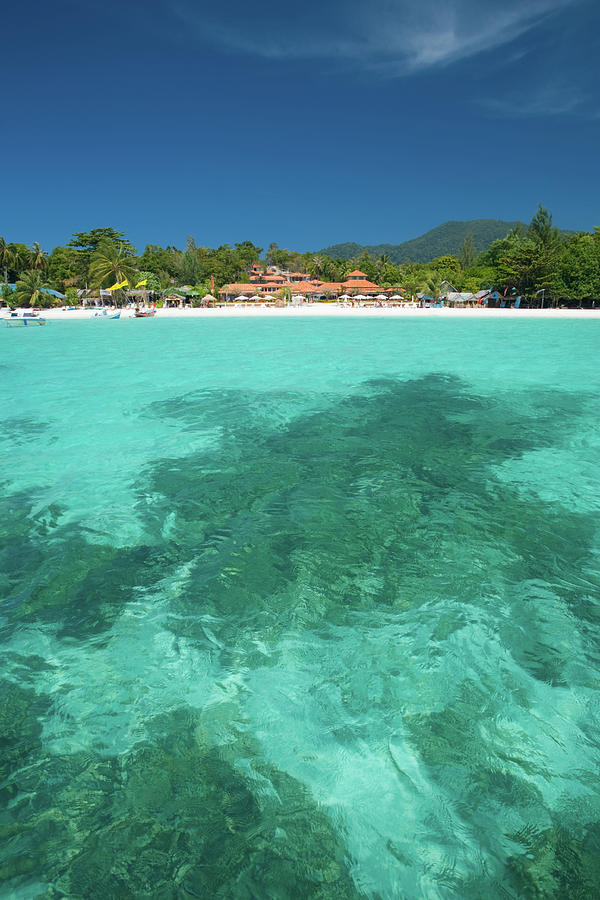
<point x="354" y="652"/>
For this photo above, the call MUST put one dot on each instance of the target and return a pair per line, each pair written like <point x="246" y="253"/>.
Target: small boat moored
<point x="106" y="314"/>
<point x="144" y="313"/>
<point x="19" y="319"/>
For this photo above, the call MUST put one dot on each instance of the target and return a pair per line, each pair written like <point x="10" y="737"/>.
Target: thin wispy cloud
<point x="545" y="100"/>
<point x="390" y="37"/>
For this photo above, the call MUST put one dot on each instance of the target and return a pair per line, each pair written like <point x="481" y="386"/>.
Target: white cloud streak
<point x="390" y="38"/>
<point x="543" y="101"/>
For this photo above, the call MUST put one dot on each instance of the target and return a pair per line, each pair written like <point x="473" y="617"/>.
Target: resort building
<point x="270" y="280"/>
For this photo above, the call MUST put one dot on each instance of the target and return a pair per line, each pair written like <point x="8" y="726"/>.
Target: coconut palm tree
<point x="20" y="258"/>
<point x="412" y="283"/>
<point x="5" y="257"/>
<point x="434" y="284"/>
<point x="29" y="290"/>
<point x="37" y="257"/>
<point x="382" y="262"/>
<point x="110" y="264"/>
<point x="316" y="266"/>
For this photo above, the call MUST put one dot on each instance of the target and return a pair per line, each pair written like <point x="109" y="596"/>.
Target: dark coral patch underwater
<point x="366" y="514"/>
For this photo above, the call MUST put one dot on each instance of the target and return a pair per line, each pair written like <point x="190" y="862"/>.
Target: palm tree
<point x="37" y="257"/>
<point x="316" y="266"/>
<point x="111" y="264"/>
<point x="29" y="290"/>
<point x="5" y="257"/>
<point x="434" y="284"/>
<point x="382" y="262"/>
<point x="413" y="283"/>
<point x="20" y="257"/>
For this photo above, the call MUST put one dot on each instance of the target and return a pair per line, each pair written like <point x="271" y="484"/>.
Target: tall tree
<point x="86" y="243"/>
<point x="38" y="258"/>
<point x="91" y="240"/>
<point x="542" y="231"/>
<point x="5" y="257"/>
<point x="111" y="263"/>
<point x="316" y="266"/>
<point x="467" y="254"/>
<point x="20" y="258"/>
<point x="29" y="290"/>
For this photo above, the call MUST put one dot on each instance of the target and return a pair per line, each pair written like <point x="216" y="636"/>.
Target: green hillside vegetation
<point x="538" y="262"/>
<point x="445" y="239"/>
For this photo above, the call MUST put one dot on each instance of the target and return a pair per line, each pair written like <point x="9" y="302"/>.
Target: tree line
<point x="537" y="261"/>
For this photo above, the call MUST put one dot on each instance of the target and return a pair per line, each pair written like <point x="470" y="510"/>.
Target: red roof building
<point x="266" y="281"/>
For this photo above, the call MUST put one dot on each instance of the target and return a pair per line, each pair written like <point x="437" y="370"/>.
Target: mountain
<point x="446" y="238"/>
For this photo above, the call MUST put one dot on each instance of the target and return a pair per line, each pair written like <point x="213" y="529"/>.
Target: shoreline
<point x="329" y="310"/>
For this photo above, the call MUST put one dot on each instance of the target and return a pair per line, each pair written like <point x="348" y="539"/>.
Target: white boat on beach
<point x="106" y="314"/>
<point x="20" y="319"/>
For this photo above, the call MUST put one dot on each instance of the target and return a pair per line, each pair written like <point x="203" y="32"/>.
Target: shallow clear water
<point x="300" y="609"/>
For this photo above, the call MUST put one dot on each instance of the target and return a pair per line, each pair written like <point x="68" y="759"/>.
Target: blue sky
<point x="304" y="124"/>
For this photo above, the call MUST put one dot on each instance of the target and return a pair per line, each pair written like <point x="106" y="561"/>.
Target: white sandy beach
<point x="330" y="309"/>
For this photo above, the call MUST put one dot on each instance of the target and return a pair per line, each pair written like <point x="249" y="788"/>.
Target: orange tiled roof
<point x="236" y="288"/>
<point x="303" y="287"/>
<point x="330" y="286"/>
<point x="361" y="283"/>
<point x="356" y="272"/>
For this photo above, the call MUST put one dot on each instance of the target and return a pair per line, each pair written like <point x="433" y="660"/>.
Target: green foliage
<point x="529" y="267"/>
<point x="112" y="263"/>
<point x="37" y="257"/>
<point x="86" y="244"/>
<point x="483" y="253"/>
<point x="5" y="258"/>
<point x="152" y="281"/>
<point x="580" y="266"/>
<point x="9" y="296"/>
<point x="63" y="269"/>
<point x="445" y="239"/>
<point x="29" y="291"/>
<point x="91" y="240"/>
<point x="275" y="256"/>
<point x="468" y="253"/>
<point x="72" y="296"/>
<point x="541" y="230"/>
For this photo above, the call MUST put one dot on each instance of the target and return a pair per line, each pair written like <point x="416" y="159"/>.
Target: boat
<point x="17" y="319"/>
<point x="144" y="313"/>
<point x="106" y="314"/>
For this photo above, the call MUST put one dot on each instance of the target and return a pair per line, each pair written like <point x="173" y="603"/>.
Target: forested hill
<point x="446" y="238"/>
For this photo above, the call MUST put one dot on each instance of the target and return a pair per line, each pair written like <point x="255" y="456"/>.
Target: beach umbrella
<point x="208" y="298"/>
<point x="381" y="297"/>
<point x="241" y="297"/>
<point x="268" y="297"/>
<point x="257" y="297"/>
<point x="397" y="297"/>
<point x="360" y="297"/>
<point x="345" y="297"/>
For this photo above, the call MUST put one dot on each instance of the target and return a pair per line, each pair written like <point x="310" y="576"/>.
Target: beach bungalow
<point x="358" y="282"/>
<point x="229" y="292"/>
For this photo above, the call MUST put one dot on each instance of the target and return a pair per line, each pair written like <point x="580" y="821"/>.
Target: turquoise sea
<point x="300" y="608"/>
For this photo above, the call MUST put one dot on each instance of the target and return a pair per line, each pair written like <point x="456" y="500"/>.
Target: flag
<point x="140" y="283"/>
<point x="114" y="287"/>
